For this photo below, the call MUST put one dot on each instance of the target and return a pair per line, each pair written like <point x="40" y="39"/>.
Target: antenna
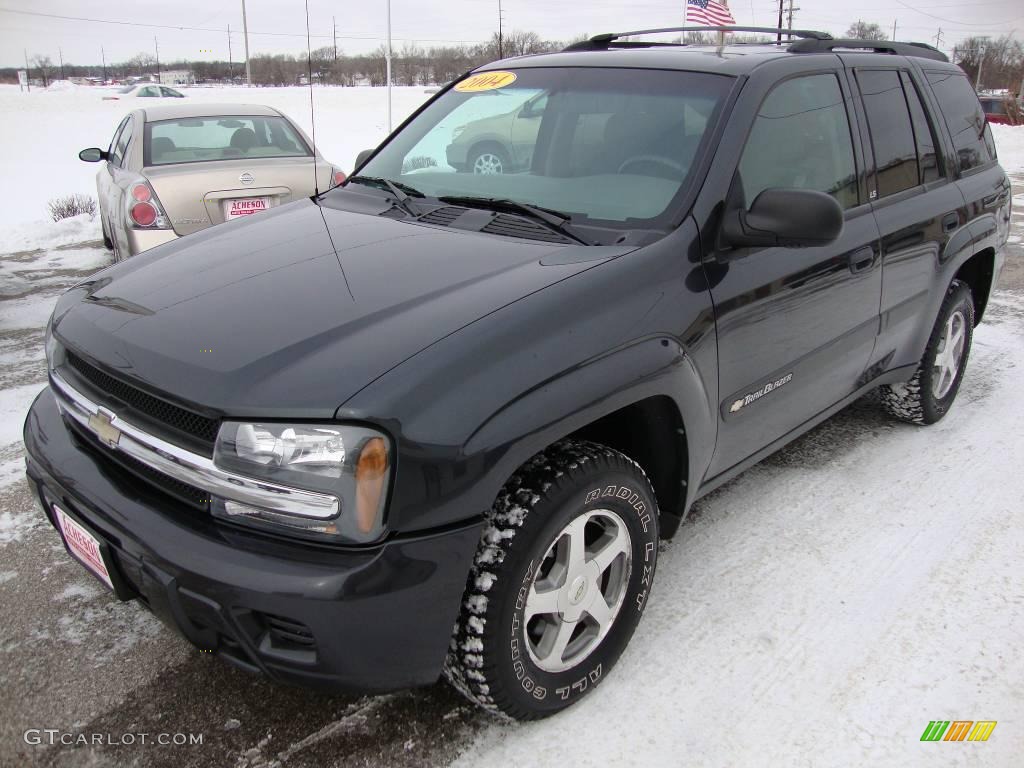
<point x="312" y="117"/>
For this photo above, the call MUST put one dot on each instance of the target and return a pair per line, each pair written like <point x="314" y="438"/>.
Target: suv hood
<point x="292" y="312"/>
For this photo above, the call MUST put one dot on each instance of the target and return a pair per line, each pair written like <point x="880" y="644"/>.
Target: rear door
<point x="918" y="208"/>
<point x="105" y="179"/>
<point x="796" y="326"/>
<point x="116" y="182"/>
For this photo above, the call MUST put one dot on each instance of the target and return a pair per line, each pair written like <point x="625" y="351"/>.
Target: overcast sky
<point x="279" y="25"/>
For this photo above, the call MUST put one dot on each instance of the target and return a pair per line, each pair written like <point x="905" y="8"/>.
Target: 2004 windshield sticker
<point x="486" y="81"/>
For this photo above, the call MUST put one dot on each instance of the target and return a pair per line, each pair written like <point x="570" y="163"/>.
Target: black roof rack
<point x="921" y="50"/>
<point x="602" y="42"/>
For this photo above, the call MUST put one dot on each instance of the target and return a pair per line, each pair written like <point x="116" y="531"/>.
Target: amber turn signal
<point x="371" y="473"/>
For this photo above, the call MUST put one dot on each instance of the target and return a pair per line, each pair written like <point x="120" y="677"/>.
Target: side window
<point x="892" y="135"/>
<point x="149" y="91"/>
<point x="122" y="143"/>
<point x="964" y="117"/>
<point x="928" y="157"/>
<point x="801" y="140"/>
<point x="111" y="150"/>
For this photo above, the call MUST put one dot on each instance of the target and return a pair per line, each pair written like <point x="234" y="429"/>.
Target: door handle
<point x="861" y="260"/>
<point x="950" y="222"/>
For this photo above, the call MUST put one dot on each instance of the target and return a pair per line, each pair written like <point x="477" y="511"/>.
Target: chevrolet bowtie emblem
<point x="108" y="434"/>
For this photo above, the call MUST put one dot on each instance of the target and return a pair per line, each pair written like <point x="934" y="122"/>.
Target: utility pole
<point x="938" y="37"/>
<point x="789" y="21"/>
<point x="245" y="30"/>
<point x="778" y="38"/>
<point x="103" y="56"/>
<point x="387" y="64"/>
<point x="60" y="53"/>
<point x="981" y="61"/>
<point x="894" y="30"/>
<point x="28" y="73"/>
<point x="501" y="37"/>
<point x="335" y="22"/>
<point x="157" y="44"/>
<point x="231" y="64"/>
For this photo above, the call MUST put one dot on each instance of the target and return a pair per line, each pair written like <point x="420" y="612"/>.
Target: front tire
<point x="489" y="160"/>
<point x="929" y="395"/>
<point x="559" y="583"/>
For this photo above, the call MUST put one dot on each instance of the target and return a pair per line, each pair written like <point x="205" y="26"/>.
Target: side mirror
<point x="92" y="155"/>
<point x="795" y="218"/>
<point x="361" y="158"/>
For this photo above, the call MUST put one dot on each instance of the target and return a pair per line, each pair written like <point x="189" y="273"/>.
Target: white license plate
<point x="83" y="545"/>
<point x="245" y="206"/>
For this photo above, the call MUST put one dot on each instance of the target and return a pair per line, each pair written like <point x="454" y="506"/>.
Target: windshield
<point x="126" y="89"/>
<point x="608" y="145"/>
<point x="195" y="139"/>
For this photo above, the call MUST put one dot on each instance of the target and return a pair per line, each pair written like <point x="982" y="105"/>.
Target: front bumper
<point x="367" y="619"/>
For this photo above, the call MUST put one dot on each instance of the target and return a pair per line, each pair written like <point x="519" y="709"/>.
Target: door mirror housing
<point x="92" y="155"/>
<point x="361" y="158"/>
<point x="794" y="218"/>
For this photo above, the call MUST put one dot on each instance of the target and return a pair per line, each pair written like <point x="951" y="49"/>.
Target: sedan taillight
<point x="144" y="210"/>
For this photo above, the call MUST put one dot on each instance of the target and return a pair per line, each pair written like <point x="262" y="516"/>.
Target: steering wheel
<point x="657" y="159"/>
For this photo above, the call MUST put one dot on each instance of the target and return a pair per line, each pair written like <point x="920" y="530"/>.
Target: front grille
<point x="179" y="419"/>
<point x="152" y="478"/>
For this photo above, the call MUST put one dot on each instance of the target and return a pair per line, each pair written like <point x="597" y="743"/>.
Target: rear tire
<point x="559" y="583"/>
<point x="107" y="242"/>
<point x="929" y="395"/>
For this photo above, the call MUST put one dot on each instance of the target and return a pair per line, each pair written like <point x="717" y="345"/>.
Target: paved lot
<point x="72" y="658"/>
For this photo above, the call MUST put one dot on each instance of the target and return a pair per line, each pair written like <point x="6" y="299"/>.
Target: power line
<point x="209" y="29"/>
<point x="953" y="21"/>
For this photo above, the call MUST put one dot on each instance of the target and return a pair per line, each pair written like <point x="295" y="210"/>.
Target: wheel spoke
<point x="560" y="640"/>
<point x="599" y="611"/>
<point x="577" y="558"/>
<point x="615" y="545"/>
<point x="541" y="602"/>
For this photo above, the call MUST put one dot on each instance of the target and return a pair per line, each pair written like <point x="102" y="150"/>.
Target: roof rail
<point x="921" y="50"/>
<point x="602" y="42"/>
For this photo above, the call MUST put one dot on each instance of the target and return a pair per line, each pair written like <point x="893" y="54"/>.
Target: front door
<point x="796" y="326"/>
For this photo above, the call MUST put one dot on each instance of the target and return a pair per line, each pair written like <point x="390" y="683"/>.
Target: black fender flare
<point x="564" y="404"/>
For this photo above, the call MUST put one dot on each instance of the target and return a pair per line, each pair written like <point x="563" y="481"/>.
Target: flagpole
<point x="721" y="35"/>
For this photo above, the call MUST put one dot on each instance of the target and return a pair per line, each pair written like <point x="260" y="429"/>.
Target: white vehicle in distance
<point x="174" y="170"/>
<point x="146" y="91"/>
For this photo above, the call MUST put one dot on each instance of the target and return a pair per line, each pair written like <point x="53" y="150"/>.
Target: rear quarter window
<point x="964" y="117"/>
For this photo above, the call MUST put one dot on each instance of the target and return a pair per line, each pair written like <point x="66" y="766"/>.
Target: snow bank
<point x="42" y="234"/>
<point x="61" y="85"/>
<point x="1010" y="146"/>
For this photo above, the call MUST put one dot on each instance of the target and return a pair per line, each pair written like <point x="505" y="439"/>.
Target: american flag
<point x="708" y="13"/>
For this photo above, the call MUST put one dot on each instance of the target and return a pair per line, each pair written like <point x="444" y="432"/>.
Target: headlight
<point x="349" y="462"/>
<point x="49" y="344"/>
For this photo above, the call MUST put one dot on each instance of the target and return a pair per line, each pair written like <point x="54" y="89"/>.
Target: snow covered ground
<point x="57" y="124"/>
<point x="818" y="611"/>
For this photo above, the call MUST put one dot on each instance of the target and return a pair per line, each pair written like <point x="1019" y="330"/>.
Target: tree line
<point x="1001" y="62"/>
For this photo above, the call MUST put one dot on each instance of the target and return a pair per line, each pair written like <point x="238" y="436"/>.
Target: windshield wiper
<point x="402" y="192"/>
<point x="554" y="219"/>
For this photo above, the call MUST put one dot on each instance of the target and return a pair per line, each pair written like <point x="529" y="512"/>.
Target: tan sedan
<point x="174" y="170"/>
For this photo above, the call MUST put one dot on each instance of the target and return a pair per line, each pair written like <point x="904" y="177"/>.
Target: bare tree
<point x="862" y="30"/>
<point x="44" y="65"/>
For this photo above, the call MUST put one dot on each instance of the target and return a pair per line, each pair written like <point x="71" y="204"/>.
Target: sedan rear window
<point x="201" y="139"/>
